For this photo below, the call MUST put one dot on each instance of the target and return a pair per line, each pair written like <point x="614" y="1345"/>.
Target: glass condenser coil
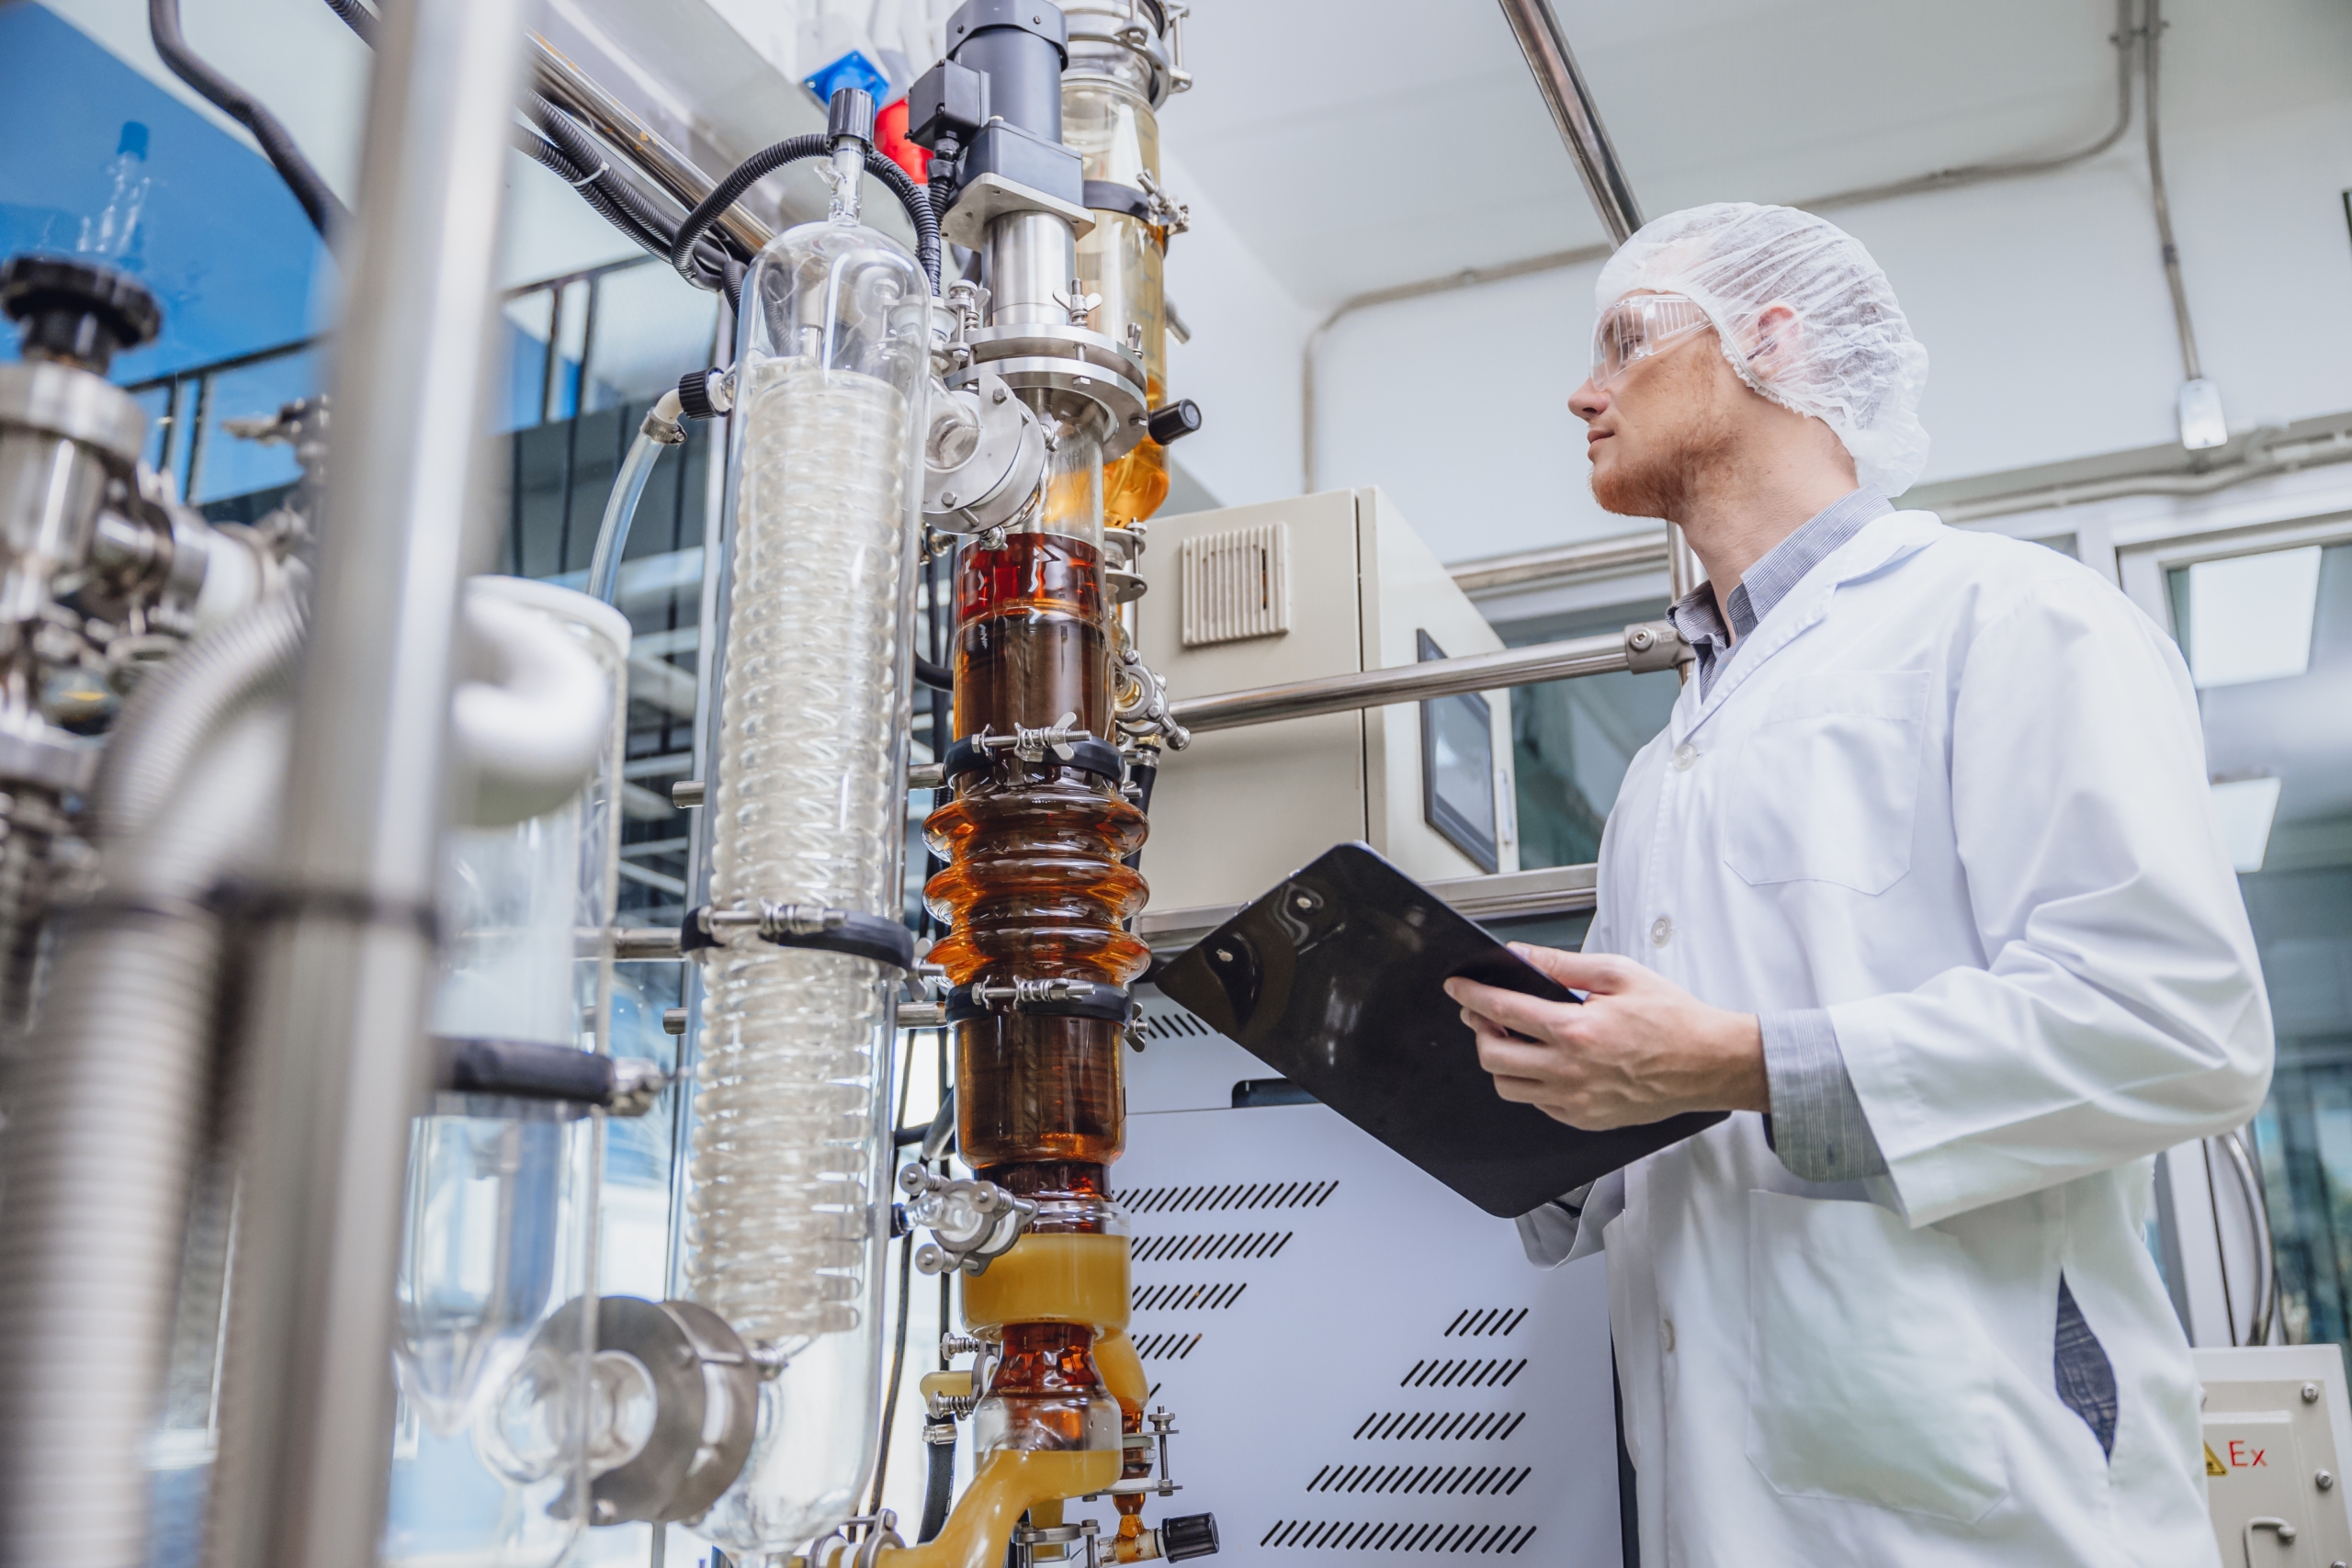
<point x="788" y="1210"/>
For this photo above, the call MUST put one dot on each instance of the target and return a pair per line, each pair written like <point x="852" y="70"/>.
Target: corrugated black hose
<point x="319" y="203"/>
<point x="794" y="150"/>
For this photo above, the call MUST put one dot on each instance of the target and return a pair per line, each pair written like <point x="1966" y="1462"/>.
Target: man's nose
<point x="1588" y="402"/>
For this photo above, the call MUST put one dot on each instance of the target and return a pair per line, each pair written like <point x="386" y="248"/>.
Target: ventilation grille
<point x="1207" y="1249"/>
<point x="1168" y="1025"/>
<point x="1495" y="1320"/>
<point x="1186" y="1297"/>
<point x="1440" y="1425"/>
<point x="1350" y="1535"/>
<point x="1252" y="1195"/>
<point x="1462" y="1375"/>
<point x="1235" y="584"/>
<point x="1166" y="1347"/>
<point x="1442" y="1480"/>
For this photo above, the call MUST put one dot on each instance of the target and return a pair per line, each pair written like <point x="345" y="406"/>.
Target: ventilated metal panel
<point x="1235" y="584"/>
<point x="1362" y="1366"/>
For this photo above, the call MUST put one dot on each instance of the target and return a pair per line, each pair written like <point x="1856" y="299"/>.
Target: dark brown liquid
<point x="1034" y="887"/>
<point x="1049" y="1362"/>
<point x="1037" y="1092"/>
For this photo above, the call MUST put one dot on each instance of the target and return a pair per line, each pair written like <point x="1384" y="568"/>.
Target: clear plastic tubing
<point x="788" y="1203"/>
<point x="621" y="508"/>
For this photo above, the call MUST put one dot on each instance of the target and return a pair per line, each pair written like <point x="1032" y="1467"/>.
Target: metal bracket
<point x="1027" y="1538"/>
<point x="1031" y="745"/>
<point x="1046" y="998"/>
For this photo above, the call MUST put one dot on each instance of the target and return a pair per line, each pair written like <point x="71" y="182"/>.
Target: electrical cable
<point x="2152" y="27"/>
<point x="326" y="212"/>
<point x="906" y="1281"/>
<point x="796" y="149"/>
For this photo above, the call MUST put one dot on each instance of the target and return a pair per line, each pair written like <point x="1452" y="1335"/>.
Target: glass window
<point x="1571" y="740"/>
<point x="2268" y="638"/>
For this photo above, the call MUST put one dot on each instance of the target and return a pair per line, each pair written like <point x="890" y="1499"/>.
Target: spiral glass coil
<point x="787" y="1206"/>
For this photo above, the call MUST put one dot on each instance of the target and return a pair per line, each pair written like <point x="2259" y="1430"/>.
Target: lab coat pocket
<point x="1828" y="783"/>
<point x="1869" y="1379"/>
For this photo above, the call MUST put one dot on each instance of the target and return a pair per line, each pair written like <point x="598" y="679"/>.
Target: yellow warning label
<point x="2213" y="1465"/>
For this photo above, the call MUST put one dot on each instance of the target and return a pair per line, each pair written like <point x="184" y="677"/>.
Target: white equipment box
<point x="1297" y="589"/>
<point x="2276" y="1432"/>
<point x="1362" y="1366"/>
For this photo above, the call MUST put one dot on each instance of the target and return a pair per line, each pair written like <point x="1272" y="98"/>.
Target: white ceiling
<point x="1363" y="144"/>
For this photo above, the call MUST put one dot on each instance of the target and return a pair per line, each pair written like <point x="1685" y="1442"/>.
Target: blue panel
<point x="216" y="234"/>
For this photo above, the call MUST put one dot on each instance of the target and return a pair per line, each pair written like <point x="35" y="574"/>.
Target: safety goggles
<point x="1638" y="326"/>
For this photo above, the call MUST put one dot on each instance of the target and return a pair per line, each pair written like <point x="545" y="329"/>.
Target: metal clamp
<point x="1041" y="998"/>
<point x="1656" y="644"/>
<point x="834" y="1549"/>
<point x="1070" y="749"/>
<point x="816" y="926"/>
<point x="971" y="1222"/>
<point x="984" y="458"/>
<point x="1142" y="704"/>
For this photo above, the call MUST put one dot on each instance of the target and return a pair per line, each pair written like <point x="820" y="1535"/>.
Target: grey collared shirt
<point x="1818" y="1126"/>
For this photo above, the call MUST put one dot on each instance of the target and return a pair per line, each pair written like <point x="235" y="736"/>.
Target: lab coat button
<point x="1661" y="931"/>
<point x="1684" y="755"/>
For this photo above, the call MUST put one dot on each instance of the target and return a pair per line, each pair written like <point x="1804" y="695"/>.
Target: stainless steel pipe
<point x="1570" y="101"/>
<point x="1652" y="645"/>
<point x="676" y="175"/>
<point x="334" y="1056"/>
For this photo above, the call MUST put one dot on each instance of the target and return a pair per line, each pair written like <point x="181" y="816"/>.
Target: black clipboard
<point x="1336" y="980"/>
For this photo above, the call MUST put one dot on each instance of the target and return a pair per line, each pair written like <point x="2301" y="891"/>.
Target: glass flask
<point x="1108" y="121"/>
<point x="488" y="1453"/>
<point x="788" y="1198"/>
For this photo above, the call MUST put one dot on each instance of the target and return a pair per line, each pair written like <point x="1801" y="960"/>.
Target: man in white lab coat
<point x="1923" y="884"/>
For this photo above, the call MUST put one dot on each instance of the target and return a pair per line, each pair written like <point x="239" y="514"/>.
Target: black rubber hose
<point x="730" y="189"/>
<point x="357" y="18"/>
<point x="794" y="150"/>
<point x="939" y="1477"/>
<point x="319" y="203"/>
<point x="938" y="677"/>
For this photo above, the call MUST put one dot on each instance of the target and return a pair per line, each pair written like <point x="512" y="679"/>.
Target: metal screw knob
<point x="2311" y="1393"/>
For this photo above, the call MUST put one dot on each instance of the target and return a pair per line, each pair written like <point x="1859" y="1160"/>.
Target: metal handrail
<point x="1652" y="645"/>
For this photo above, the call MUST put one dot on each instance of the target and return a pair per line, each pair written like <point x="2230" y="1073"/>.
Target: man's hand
<point x="1639" y="1049"/>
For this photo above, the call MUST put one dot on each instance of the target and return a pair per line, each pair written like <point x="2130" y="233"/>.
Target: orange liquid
<point x="1134" y="486"/>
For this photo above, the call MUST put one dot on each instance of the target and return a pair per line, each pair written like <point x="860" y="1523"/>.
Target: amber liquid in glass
<point x="1035" y="885"/>
<point x="1135" y="485"/>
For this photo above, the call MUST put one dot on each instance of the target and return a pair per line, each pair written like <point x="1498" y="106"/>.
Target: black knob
<point x="849" y="114"/>
<point x="77" y="310"/>
<point x="1188" y="1534"/>
<point x="1179" y="418"/>
<point x="694" y="395"/>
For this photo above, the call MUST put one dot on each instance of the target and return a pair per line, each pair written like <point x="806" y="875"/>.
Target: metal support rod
<point x="334" y="1060"/>
<point x="1651" y="644"/>
<point x="1570" y="101"/>
<point x="671" y="172"/>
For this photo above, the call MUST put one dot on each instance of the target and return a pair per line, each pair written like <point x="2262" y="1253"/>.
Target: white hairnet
<point x="1856" y="366"/>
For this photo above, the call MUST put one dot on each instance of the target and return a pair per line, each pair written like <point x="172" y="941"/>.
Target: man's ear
<point x="1771" y="341"/>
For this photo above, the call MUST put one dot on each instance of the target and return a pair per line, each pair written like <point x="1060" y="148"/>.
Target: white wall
<point x="2041" y="302"/>
<point x="1242" y="364"/>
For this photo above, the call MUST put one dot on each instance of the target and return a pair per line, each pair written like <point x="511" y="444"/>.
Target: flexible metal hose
<point x="110" y="1114"/>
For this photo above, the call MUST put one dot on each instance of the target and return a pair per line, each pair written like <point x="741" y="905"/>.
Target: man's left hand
<point x="1639" y="1048"/>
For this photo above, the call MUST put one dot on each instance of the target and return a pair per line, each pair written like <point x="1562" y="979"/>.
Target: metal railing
<point x="190" y="414"/>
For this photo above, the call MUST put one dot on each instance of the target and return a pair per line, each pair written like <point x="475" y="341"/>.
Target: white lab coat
<point x="1952" y="789"/>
